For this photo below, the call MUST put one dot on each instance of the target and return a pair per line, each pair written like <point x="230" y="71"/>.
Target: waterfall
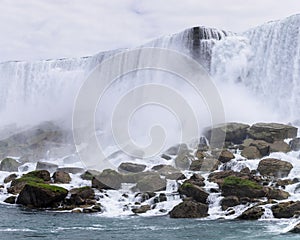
<point x="265" y="59"/>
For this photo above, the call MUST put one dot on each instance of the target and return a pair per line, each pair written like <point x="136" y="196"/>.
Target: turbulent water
<point x="255" y="72"/>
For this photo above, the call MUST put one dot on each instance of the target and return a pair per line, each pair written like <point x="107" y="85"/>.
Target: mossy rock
<point x="236" y="181"/>
<point x="42" y="174"/>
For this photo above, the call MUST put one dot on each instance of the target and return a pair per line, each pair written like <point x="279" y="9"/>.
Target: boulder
<point x="296" y="228"/>
<point x="108" y="179"/>
<point x="10" y="200"/>
<point x="218" y="177"/>
<point x="141" y="209"/>
<point x="295" y="144"/>
<point x="196" y="179"/>
<point x="252" y="213"/>
<point x="233" y="132"/>
<point x="41" y="195"/>
<point x="162" y="197"/>
<point x="10" y="178"/>
<point x="206" y="165"/>
<point x="151" y="183"/>
<point x="179" y="149"/>
<point x="236" y="186"/>
<point x="274" y="167"/>
<point x="277" y="194"/>
<point x="41" y="174"/>
<point x="73" y="170"/>
<point x="286" y="209"/>
<point x="61" y="177"/>
<point x="251" y="152"/>
<point x="279" y="146"/>
<point x="193" y="191"/>
<point x="175" y="176"/>
<point x="164" y="169"/>
<point x="9" y="165"/>
<point x="89" y="174"/>
<point x="271" y="132"/>
<point x="165" y="156"/>
<point x="225" y="156"/>
<point x="131" y="167"/>
<point x="189" y="209"/>
<point x="79" y="196"/>
<point x="183" y="161"/>
<point x="229" y="201"/>
<point x="46" y="166"/>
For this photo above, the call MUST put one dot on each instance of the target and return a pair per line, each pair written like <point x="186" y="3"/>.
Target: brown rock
<point x="61" y="177"/>
<point x="274" y="167"/>
<point x="189" y="209"/>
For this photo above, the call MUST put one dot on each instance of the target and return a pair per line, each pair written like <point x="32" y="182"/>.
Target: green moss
<point x="236" y="181"/>
<point x="186" y="185"/>
<point x="49" y="187"/>
<point x="29" y="179"/>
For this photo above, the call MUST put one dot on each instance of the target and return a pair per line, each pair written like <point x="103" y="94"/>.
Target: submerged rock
<point x="9" y="165"/>
<point x="41" y="195"/>
<point x="189" y="209"/>
<point x="271" y="132"/>
<point x="274" y="167"/>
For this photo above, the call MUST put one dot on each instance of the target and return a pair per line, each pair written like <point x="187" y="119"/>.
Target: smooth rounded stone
<point x="271" y="132"/>
<point x="41" y="195"/>
<point x="253" y="213"/>
<point x="225" y="156"/>
<point x="10" y="178"/>
<point x="189" y="209"/>
<point x="145" y="196"/>
<point x="10" y="200"/>
<point x="274" y="167"/>
<point x="77" y="210"/>
<point x="229" y="201"/>
<point x="73" y="170"/>
<point x="141" y="209"/>
<point x="193" y="191"/>
<point x="207" y="164"/>
<point x="108" y="179"/>
<point x="295" y="144"/>
<point x="279" y="146"/>
<point x="9" y="165"/>
<point x="286" y="209"/>
<point x="232" y="132"/>
<point x="251" y="152"/>
<point x="131" y="167"/>
<point x="46" y="166"/>
<point x="61" y="177"/>
<point x="151" y="183"/>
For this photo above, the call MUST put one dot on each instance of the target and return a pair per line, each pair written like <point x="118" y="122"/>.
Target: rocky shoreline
<point x="197" y="171"/>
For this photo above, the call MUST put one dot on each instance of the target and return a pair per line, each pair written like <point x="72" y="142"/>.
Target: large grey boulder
<point x="9" y="165"/>
<point x="274" y="167"/>
<point x="271" y="132"/>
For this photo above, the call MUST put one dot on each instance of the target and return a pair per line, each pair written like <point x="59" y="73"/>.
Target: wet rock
<point x="10" y="178"/>
<point x="286" y="209"/>
<point x="162" y="197"/>
<point x="274" y="167"/>
<point x="271" y="132"/>
<point x="89" y="174"/>
<point x="207" y="164"/>
<point x="225" y="156"/>
<point x="233" y="132"/>
<point x="141" y="209"/>
<point x="193" y="191"/>
<point x="145" y="196"/>
<point x="189" y="209"/>
<point x="175" y="176"/>
<point x="73" y="170"/>
<point x="9" y="165"/>
<point x="229" y="201"/>
<point x="218" y="177"/>
<point x="41" y="174"/>
<point x="296" y="229"/>
<point x="10" y="200"/>
<point x="131" y="167"/>
<point x="278" y="194"/>
<point x="279" y="146"/>
<point x="46" y="166"/>
<point x="164" y="169"/>
<point x="61" y="177"/>
<point x="236" y="186"/>
<point x="196" y="179"/>
<point x="283" y="182"/>
<point x="179" y="149"/>
<point x="80" y="196"/>
<point x="251" y="152"/>
<point x="41" y="195"/>
<point x="151" y="183"/>
<point x="183" y="161"/>
<point x="108" y="179"/>
<point x="253" y="213"/>
<point x="200" y="154"/>
<point x="295" y="144"/>
<point x="166" y="157"/>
